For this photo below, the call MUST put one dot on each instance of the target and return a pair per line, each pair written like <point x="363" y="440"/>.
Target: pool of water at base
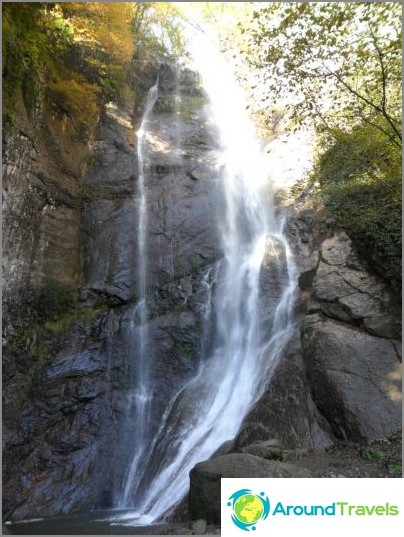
<point x="87" y="523"/>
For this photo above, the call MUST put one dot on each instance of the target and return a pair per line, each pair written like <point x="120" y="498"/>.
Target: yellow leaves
<point x="105" y="25"/>
<point x="79" y="98"/>
<point x="115" y="34"/>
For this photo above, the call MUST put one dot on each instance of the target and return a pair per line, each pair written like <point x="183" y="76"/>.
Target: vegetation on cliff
<point x="80" y="52"/>
<point x="339" y="65"/>
<point x="61" y="63"/>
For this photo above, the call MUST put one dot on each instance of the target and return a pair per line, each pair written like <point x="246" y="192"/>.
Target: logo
<point x="248" y="508"/>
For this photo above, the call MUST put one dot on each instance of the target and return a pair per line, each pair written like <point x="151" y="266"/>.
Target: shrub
<point x="359" y="178"/>
<point x="78" y="98"/>
<point x="55" y="300"/>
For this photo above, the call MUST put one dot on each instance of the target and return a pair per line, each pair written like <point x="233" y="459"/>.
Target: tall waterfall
<point x="140" y="397"/>
<point x="209" y="410"/>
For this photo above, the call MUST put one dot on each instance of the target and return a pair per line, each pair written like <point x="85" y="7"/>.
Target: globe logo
<point x="248" y="508"/>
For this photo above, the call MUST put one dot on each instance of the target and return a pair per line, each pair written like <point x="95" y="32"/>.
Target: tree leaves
<point x="349" y="53"/>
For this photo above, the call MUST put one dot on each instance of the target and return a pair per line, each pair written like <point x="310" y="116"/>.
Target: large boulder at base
<point x="204" y="495"/>
<point x="355" y="378"/>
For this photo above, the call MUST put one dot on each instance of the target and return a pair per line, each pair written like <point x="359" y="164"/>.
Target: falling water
<point x="139" y="399"/>
<point x="241" y="355"/>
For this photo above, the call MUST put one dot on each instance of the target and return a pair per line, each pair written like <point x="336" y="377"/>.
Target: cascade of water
<point x="139" y="399"/>
<point x="210" y="409"/>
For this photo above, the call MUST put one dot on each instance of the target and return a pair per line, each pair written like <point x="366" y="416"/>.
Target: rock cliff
<point x="70" y="296"/>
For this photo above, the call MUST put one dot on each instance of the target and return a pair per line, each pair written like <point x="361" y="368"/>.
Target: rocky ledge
<point x="271" y="459"/>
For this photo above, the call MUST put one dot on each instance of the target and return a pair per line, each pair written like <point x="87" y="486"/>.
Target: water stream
<point x="140" y="399"/>
<point x="209" y="410"/>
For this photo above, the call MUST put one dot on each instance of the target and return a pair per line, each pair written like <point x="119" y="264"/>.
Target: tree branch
<point x="389" y="118"/>
<point x="376" y="107"/>
<point x="376" y="126"/>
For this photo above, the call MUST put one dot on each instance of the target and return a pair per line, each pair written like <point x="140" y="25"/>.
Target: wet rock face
<point x="180" y="188"/>
<point x="180" y="199"/>
<point x="109" y="220"/>
<point x="49" y="455"/>
<point x="73" y="439"/>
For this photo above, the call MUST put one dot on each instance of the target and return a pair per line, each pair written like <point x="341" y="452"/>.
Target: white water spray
<point x="210" y="409"/>
<point x="139" y="399"/>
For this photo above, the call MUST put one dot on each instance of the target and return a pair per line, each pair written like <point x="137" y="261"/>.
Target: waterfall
<point x="139" y="399"/>
<point x="242" y="351"/>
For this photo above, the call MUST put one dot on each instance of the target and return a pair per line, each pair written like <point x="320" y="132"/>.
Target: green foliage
<point x="35" y="38"/>
<point x="78" y="98"/>
<point x="157" y="28"/>
<point x="395" y="469"/>
<point x="36" y="310"/>
<point x="337" y="66"/>
<point x="23" y="46"/>
<point x="55" y="300"/>
<point x="372" y="455"/>
<point x="61" y="325"/>
<point x="103" y="29"/>
<point x="377" y="456"/>
<point x="340" y="62"/>
<point x="359" y="179"/>
<point x="113" y="32"/>
<point x="59" y="29"/>
<point x="89" y="315"/>
<point x="80" y="51"/>
<point x="39" y="339"/>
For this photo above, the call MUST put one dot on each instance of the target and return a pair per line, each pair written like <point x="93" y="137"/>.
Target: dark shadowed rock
<point x="308" y="270"/>
<point x="64" y="210"/>
<point x="355" y="379"/>
<point x="204" y="495"/>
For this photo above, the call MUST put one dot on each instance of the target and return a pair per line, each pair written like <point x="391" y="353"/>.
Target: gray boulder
<point x="355" y="379"/>
<point x="204" y="495"/>
<point x="345" y="290"/>
<point x="271" y="449"/>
